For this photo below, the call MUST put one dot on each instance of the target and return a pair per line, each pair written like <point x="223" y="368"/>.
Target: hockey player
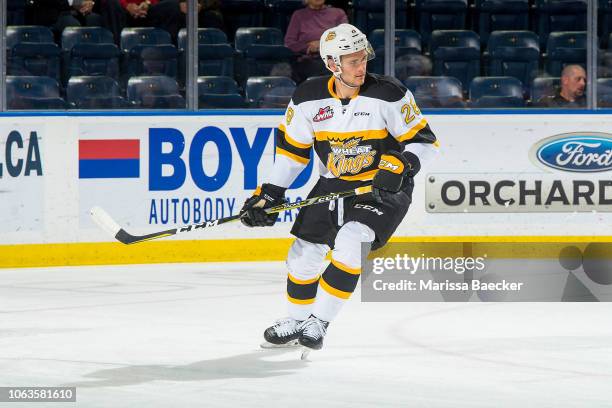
<point x="364" y="128"/>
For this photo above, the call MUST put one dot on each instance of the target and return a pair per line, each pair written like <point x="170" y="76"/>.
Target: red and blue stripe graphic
<point x="109" y="158"/>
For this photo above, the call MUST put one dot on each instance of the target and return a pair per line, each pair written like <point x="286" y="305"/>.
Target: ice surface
<point x="188" y="335"/>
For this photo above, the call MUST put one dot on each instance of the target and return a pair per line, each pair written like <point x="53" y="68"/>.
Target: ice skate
<point x="283" y="333"/>
<point x="312" y="331"/>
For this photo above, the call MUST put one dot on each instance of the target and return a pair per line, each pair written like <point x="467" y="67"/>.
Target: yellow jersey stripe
<point x="333" y="291"/>
<point x="324" y="135"/>
<point x="412" y="132"/>
<point x="302" y="282"/>
<point x="300" y="301"/>
<point x="292" y="156"/>
<point x="292" y="141"/>
<point x="360" y="177"/>
<point x="346" y="268"/>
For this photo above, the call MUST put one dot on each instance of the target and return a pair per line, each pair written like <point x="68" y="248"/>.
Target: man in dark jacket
<point x="571" y="94"/>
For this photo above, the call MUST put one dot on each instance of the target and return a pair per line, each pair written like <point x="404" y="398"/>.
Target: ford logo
<point x="575" y="152"/>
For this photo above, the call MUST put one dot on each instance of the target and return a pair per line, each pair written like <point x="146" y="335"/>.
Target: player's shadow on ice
<point x="256" y="364"/>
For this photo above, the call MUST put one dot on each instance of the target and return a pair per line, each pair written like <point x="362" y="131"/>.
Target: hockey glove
<point x="266" y="196"/>
<point x="394" y="168"/>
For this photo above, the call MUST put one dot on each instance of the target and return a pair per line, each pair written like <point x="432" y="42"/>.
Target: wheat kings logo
<point x="349" y="157"/>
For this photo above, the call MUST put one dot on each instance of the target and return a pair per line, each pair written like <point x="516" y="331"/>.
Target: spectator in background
<point x="59" y="14"/>
<point x="571" y="93"/>
<point x="164" y="14"/>
<point x="303" y="33"/>
<point x="209" y="14"/>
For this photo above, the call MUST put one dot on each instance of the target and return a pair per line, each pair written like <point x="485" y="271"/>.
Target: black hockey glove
<point x="394" y="170"/>
<point x="266" y="196"/>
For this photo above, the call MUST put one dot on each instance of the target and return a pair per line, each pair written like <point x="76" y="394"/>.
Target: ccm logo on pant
<point x="369" y="208"/>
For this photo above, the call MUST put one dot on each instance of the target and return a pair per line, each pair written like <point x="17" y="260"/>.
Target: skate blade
<point x="305" y="353"/>
<point x="291" y="344"/>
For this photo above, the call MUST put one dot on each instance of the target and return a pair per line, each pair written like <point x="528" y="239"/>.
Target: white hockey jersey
<point x="348" y="135"/>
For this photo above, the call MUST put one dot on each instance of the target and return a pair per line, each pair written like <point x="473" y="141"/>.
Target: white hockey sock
<point x="342" y="274"/>
<point x="304" y="263"/>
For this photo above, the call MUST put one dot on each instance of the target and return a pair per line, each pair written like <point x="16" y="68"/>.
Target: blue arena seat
<point x="436" y="92"/>
<point x="217" y="85"/>
<point x="242" y="13"/>
<point x="456" y="53"/>
<point x="559" y="15"/>
<point x="148" y="51"/>
<point x="219" y="92"/>
<point x="515" y="54"/>
<point x="496" y="92"/>
<point x="604" y="25"/>
<point x="269" y="91"/>
<point x="94" y="92"/>
<point x="543" y="87"/>
<point x="564" y="48"/>
<point x="33" y="92"/>
<point x="278" y="12"/>
<point x="501" y="15"/>
<point x="215" y="55"/>
<point x="370" y="14"/>
<point x="404" y="39"/>
<point x="32" y="52"/>
<point x="261" y="50"/>
<point x="154" y="92"/>
<point x="604" y="92"/>
<point x="440" y="15"/>
<point x="407" y="42"/>
<point x="89" y="51"/>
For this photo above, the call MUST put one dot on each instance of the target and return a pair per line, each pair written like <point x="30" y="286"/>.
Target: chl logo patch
<point x="324" y="114"/>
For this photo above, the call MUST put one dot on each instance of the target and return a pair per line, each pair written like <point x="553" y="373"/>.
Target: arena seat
<point x="439" y="15"/>
<point x="496" y="92"/>
<point x="154" y="92"/>
<point x="94" y="92"/>
<point x="269" y="91"/>
<point x="89" y="51"/>
<point x="436" y="92"/>
<point x="564" y="48"/>
<point x="33" y="92"/>
<point x="215" y="54"/>
<point x="219" y="92"/>
<point x="261" y="51"/>
<point x="515" y="54"/>
<point x="501" y="15"/>
<point x="148" y="51"/>
<point x="456" y="53"/>
<point x="31" y="51"/>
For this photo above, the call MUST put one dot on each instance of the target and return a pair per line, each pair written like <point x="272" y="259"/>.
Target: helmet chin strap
<point x="339" y="76"/>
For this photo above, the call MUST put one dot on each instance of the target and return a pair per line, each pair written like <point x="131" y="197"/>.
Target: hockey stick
<point x="105" y="221"/>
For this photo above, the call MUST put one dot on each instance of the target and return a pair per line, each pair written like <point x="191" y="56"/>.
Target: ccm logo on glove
<point x="391" y="163"/>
